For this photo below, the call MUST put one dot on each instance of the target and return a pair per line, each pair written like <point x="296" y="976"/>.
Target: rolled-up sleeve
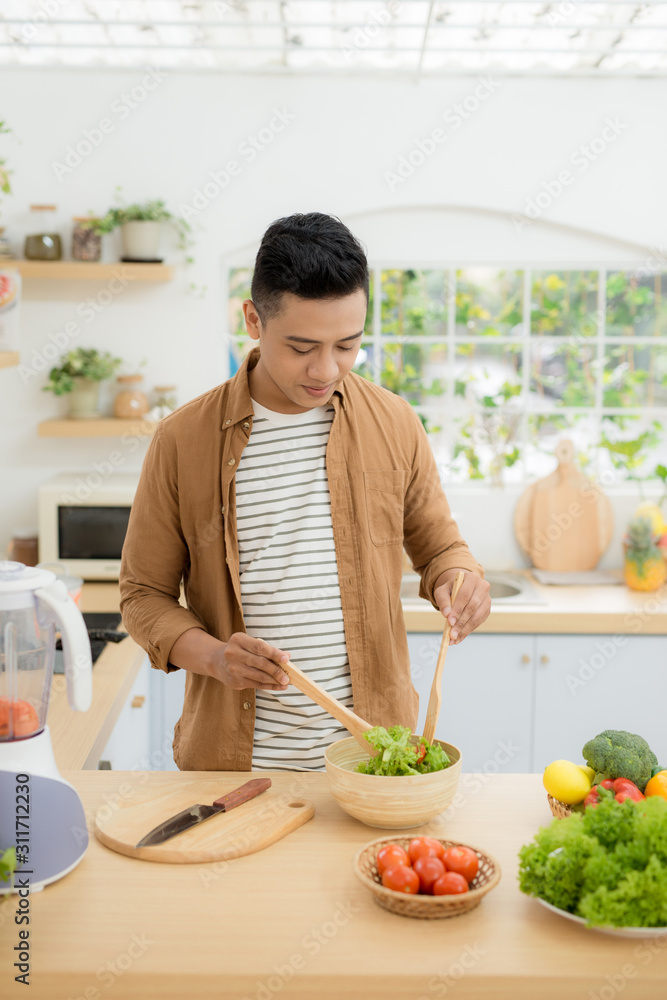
<point x="431" y="536"/>
<point x="154" y="557"/>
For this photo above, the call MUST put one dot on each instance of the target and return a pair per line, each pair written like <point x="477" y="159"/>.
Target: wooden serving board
<point x="564" y="521"/>
<point x="249" y="827"/>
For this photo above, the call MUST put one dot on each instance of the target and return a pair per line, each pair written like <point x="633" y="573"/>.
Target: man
<point x="283" y="499"/>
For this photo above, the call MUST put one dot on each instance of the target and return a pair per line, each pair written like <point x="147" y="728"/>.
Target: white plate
<point x="627" y="932"/>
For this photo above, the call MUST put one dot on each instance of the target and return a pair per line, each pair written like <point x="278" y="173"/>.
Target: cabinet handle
<point x="525" y="658"/>
<point x="138" y="700"/>
<point x="544" y="659"/>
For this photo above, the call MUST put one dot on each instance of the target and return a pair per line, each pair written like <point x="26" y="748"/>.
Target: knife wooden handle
<point x="242" y="794"/>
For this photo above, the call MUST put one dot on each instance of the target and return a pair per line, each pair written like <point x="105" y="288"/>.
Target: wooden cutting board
<point x="564" y="521"/>
<point x="249" y="827"/>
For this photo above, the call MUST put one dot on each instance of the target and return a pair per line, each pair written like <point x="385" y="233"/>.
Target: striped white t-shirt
<point x="289" y="581"/>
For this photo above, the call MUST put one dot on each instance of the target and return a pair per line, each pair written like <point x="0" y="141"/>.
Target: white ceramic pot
<point x="141" y="239"/>
<point x="84" y="399"/>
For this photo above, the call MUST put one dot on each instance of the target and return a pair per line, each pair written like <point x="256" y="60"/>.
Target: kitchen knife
<point x="197" y="814"/>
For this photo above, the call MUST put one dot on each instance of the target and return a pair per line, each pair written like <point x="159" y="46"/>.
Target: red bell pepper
<point x="593" y="797"/>
<point x="626" y="789"/>
<point x="607" y="783"/>
<point x="422" y="753"/>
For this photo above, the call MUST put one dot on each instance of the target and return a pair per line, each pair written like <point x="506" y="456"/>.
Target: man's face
<point x="306" y="351"/>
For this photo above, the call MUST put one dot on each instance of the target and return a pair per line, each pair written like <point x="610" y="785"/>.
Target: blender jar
<point x="26" y="655"/>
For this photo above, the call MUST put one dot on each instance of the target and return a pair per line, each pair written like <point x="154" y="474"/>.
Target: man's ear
<point x="252" y="321"/>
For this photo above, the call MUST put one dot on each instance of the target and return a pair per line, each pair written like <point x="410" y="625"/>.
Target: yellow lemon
<point x="654" y="514"/>
<point x="588" y="771"/>
<point x="566" y="781"/>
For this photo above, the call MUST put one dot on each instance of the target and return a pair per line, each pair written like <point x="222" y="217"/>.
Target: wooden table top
<point x="293" y="922"/>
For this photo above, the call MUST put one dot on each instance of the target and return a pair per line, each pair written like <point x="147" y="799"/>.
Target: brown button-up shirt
<point x="385" y="495"/>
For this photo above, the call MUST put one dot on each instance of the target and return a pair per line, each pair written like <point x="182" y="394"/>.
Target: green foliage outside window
<point x="504" y="378"/>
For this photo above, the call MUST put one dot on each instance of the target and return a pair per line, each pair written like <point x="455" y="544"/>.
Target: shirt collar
<point x="239" y="402"/>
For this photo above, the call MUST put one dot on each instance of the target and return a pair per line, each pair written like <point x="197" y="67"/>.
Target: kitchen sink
<point x="506" y="588"/>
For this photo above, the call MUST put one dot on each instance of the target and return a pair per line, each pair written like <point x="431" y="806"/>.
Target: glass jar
<point x="130" y="401"/>
<point x="165" y="401"/>
<point x="86" y="243"/>
<point x="6" y="251"/>
<point x="23" y="546"/>
<point x="42" y="241"/>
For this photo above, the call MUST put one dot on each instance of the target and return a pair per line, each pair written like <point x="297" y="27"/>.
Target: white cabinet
<point x="487" y="697"/>
<point x="167" y="693"/>
<point x="129" y="745"/>
<point x="587" y="683"/>
<point x="521" y="701"/>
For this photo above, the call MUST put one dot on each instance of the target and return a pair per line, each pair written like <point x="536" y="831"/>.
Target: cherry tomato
<point x="422" y="847"/>
<point x="461" y="860"/>
<point x="429" y="871"/>
<point x="391" y="856"/>
<point x="24" y="718"/>
<point x="450" y="884"/>
<point x="401" y="879"/>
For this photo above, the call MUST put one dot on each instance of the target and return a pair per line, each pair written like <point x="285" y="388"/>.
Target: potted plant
<point x="5" y="188"/>
<point x="141" y="228"/>
<point x="79" y="374"/>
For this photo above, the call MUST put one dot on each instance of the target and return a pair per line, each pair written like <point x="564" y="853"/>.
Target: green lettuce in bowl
<point x="398" y="755"/>
<point x="7" y="864"/>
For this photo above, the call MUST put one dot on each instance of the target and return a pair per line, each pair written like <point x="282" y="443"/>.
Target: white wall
<point x="332" y="156"/>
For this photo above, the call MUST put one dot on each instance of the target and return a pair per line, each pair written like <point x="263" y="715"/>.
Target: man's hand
<point x="246" y="662"/>
<point x="472" y="604"/>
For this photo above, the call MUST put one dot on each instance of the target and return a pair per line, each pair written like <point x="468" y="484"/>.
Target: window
<point x="500" y="363"/>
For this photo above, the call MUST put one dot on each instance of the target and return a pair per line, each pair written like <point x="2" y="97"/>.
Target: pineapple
<point x="645" y="567"/>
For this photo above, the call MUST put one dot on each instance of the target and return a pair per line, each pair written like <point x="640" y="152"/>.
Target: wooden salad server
<point x="354" y="725"/>
<point x="435" y="698"/>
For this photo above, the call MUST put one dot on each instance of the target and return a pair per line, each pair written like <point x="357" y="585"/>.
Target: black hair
<point x="314" y="256"/>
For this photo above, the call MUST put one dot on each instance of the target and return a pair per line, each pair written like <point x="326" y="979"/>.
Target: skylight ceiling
<point x="336" y="36"/>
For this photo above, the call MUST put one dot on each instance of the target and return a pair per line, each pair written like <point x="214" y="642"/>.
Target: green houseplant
<point x="141" y="227"/>
<point x="5" y="185"/>
<point x="79" y="374"/>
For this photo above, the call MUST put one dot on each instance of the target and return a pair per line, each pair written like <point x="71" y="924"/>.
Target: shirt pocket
<point x="385" y="489"/>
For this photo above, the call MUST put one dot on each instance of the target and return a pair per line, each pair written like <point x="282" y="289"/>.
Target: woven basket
<point x="422" y="906"/>
<point x="561" y="810"/>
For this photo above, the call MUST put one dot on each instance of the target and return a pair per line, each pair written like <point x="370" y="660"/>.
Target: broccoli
<point x="617" y="754"/>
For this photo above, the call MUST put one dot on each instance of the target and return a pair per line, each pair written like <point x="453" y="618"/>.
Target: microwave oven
<point x="82" y="521"/>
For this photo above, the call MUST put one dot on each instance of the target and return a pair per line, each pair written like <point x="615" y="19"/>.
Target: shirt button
<point x="246" y="705"/>
<point x="231" y="461"/>
<point x="227" y="422"/>
<point x="246" y="425"/>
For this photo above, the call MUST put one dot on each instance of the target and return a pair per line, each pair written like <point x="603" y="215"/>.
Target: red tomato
<point x="24" y="718"/>
<point x="391" y="856"/>
<point x="429" y="871"/>
<point x="450" y="884"/>
<point x="401" y="879"/>
<point x="439" y="847"/>
<point x="461" y="860"/>
<point x="422" y="847"/>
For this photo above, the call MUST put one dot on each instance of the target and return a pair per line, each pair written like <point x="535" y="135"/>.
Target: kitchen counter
<point x="292" y="921"/>
<point x="571" y="610"/>
<point x="580" y="610"/>
<point x="79" y="738"/>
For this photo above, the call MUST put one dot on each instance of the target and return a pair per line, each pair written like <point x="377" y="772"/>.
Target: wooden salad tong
<point x="435" y="699"/>
<point x="354" y="725"/>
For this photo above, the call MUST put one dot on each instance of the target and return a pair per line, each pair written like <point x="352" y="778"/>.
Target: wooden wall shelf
<point x="9" y="359"/>
<point x="75" y="270"/>
<point x="104" y="427"/>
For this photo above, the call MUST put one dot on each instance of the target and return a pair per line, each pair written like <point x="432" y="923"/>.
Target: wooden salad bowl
<point x="390" y="803"/>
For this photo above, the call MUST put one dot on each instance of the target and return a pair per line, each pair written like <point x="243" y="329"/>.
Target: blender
<point x="41" y="814"/>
